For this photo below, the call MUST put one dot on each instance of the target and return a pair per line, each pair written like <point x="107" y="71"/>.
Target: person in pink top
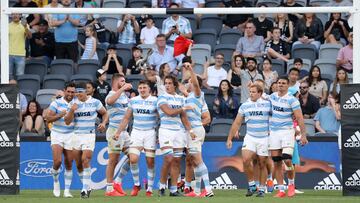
<point x="344" y="59"/>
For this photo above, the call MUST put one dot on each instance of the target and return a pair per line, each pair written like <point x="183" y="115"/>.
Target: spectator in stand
<point x="213" y="75"/>
<point x="237" y="64"/>
<point x="112" y="63"/>
<point x="286" y="26"/>
<point x="225" y="104"/>
<point x="336" y="30"/>
<point x="248" y="77"/>
<point x="33" y="120"/>
<point x="334" y="3"/>
<point x="341" y="78"/>
<point x="31" y="19"/>
<point x="298" y="63"/>
<point x="161" y="3"/>
<point x="90" y="89"/>
<point x="191" y="4"/>
<point x="318" y="86"/>
<point x="270" y="76"/>
<point x="308" y="102"/>
<point x="102" y="88"/>
<point x="294" y="17"/>
<point x="87" y="18"/>
<point x="263" y="25"/>
<point x="344" y="58"/>
<point x="41" y="3"/>
<point x="294" y="84"/>
<point x="250" y="45"/>
<point x="176" y="25"/>
<point x="42" y="43"/>
<point x="277" y="48"/>
<point x="149" y="32"/>
<point x="237" y="21"/>
<point x="327" y="119"/>
<point x="90" y="44"/>
<point x="66" y="34"/>
<point x="309" y="30"/>
<point x="133" y="68"/>
<point x="127" y="28"/>
<point x="273" y="88"/>
<point x="18" y="32"/>
<point x="53" y="4"/>
<point x="143" y="17"/>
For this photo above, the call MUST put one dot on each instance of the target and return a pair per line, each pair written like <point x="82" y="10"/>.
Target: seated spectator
<point x="127" y="28"/>
<point x="237" y="21"/>
<point x="149" y="32"/>
<point x="263" y="25"/>
<point x="90" y="44"/>
<point x="250" y="45"/>
<point x="318" y="86"/>
<point x="90" y="89"/>
<point x="102" y="88"/>
<point x="225" y="103"/>
<point x="42" y="43"/>
<point x="270" y="76"/>
<point x="143" y="17"/>
<point x="336" y="30"/>
<point x="273" y="88"/>
<point x="298" y="63"/>
<point x="277" y="48"/>
<point x="341" y="78"/>
<point x="237" y="64"/>
<point x="213" y="75"/>
<point x="294" y="17"/>
<point x="294" y="84"/>
<point x="33" y="120"/>
<point x="327" y="119"/>
<point x="248" y="76"/>
<point x="52" y="4"/>
<point x="286" y="26"/>
<point x="344" y="59"/>
<point x="308" y="102"/>
<point x="176" y="25"/>
<point x="191" y="4"/>
<point x="112" y="63"/>
<point x="309" y="30"/>
<point x="133" y="68"/>
<point x="32" y="19"/>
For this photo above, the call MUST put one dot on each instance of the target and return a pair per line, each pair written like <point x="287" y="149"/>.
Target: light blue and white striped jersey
<point x="144" y="112"/>
<point x="175" y="102"/>
<point x="117" y="110"/>
<point x="59" y="126"/>
<point x="282" y="111"/>
<point x="199" y="106"/>
<point x="85" y="115"/>
<point x="256" y="116"/>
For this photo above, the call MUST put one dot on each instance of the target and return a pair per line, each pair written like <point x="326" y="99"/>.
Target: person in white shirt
<point x="214" y="74"/>
<point x="148" y="34"/>
<point x="191" y="3"/>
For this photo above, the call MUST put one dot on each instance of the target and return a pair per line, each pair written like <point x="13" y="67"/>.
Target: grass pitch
<point x="221" y="196"/>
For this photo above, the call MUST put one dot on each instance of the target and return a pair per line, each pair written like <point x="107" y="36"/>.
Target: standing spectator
<point x="53" y="4"/>
<point x="237" y="64"/>
<point x="191" y="4"/>
<point x="341" y="78"/>
<point x="327" y="120"/>
<point x="248" y="77"/>
<point x="176" y="25"/>
<point x="149" y="32"/>
<point x="133" y="68"/>
<point x="216" y="73"/>
<point x="127" y="28"/>
<point x="102" y="88"/>
<point x="263" y="25"/>
<point x="31" y="19"/>
<point x="309" y="30"/>
<point x="237" y="21"/>
<point x="225" y="103"/>
<point x="298" y="63"/>
<point x="90" y="44"/>
<point x="250" y="45"/>
<point x="42" y="43"/>
<point x="286" y="26"/>
<point x="270" y="76"/>
<point x="294" y="17"/>
<point x="66" y="34"/>
<point x="308" y="102"/>
<point x="294" y="84"/>
<point x="344" y="58"/>
<point x="86" y="18"/>
<point x="318" y="86"/>
<point x="18" y="32"/>
<point x="277" y="48"/>
<point x="90" y="88"/>
<point x="33" y="120"/>
<point x="336" y="30"/>
<point x="112" y="63"/>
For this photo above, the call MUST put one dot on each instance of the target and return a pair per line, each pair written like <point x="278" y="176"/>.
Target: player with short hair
<point x="61" y="139"/>
<point x="83" y="113"/>
<point x="143" y="110"/>
<point x="256" y="113"/>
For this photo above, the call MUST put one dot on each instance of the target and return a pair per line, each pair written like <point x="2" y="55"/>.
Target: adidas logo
<point x="329" y="183"/>
<point x="353" y="102"/>
<point x="4" y="102"/>
<point x="4" y="178"/>
<point x="4" y="140"/>
<point x="354" y="179"/>
<point x="353" y="141"/>
<point x="223" y="182"/>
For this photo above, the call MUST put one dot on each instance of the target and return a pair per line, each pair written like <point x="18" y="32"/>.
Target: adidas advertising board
<point x="354" y="179"/>
<point x="223" y="182"/>
<point x="4" y="178"/>
<point x="353" y="141"/>
<point x="4" y="140"/>
<point x="331" y="182"/>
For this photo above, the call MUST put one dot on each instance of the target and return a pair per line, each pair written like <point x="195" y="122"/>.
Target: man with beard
<point x="308" y="102"/>
<point x="248" y="77"/>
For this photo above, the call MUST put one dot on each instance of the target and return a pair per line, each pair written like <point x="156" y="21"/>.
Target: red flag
<point x="181" y="45"/>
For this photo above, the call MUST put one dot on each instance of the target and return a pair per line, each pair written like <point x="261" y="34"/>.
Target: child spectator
<point x="112" y="63"/>
<point x="102" y="88"/>
<point x="90" y="44"/>
<point x="132" y="68"/>
<point x="149" y="33"/>
<point x="298" y="63"/>
<point x="277" y="48"/>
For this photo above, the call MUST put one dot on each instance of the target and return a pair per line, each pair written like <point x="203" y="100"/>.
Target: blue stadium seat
<point x="110" y="23"/>
<point x="226" y="49"/>
<point x="28" y="93"/>
<point x="29" y="81"/>
<point x="278" y="66"/>
<point x="221" y="125"/>
<point x="328" y="78"/>
<point x="327" y="66"/>
<point x="229" y="36"/>
<point x="113" y="4"/>
<point x="307" y="51"/>
<point x="211" y="22"/>
<point x="101" y="52"/>
<point x="45" y="97"/>
<point x="329" y="51"/>
<point x="36" y="66"/>
<point x="88" y="66"/>
<point x="54" y="81"/>
<point x="82" y="78"/>
<point x="205" y="36"/>
<point x="62" y="66"/>
<point x="199" y="53"/>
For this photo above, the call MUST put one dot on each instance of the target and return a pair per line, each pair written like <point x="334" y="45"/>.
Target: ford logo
<point x="37" y="168"/>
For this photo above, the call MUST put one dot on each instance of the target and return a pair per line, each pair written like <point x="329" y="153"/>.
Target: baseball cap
<point x="43" y="22"/>
<point x="100" y="72"/>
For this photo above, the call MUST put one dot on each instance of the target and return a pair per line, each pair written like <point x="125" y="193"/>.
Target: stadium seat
<point x="278" y="66"/>
<point x="114" y="3"/>
<point x="229" y="36"/>
<point x="101" y="52"/>
<point x="124" y="51"/>
<point x="29" y="94"/>
<point x="193" y="21"/>
<point x="221" y="125"/>
<point x="54" y="81"/>
<point x="226" y="66"/>
<point x="134" y="80"/>
<point x="205" y="36"/>
<point x="327" y="66"/>
<point x="328" y="79"/>
<point x="88" y="66"/>
<point x="318" y="2"/>
<point x="199" y="68"/>
<point x="209" y="98"/>
<point x="29" y="81"/>
<point x="45" y="97"/>
<point x="226" y="49"/>
<point x="329" y="51"/>
<point x="110" y="23"/>
<point x="36" y="66"/>
<point x="82" y="78"/>
<point x="323" y="17"/>
<point x="158" y="20"/>
<point x="62" y="66"/>
<point x="138" y="3"/>
<point x="302" y="2"/>
<point x="269" y="3"/>
<point x="211" y="22"/>
<point x="212" y="3"/>
<point x="199" y="53"/>
<point x="307" y="51"/>
<point x="306" y="64"/>
<point x="310" y="126"/>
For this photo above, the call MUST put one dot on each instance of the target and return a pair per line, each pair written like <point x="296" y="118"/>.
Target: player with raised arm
<point x="61" y="139"/>
<point x="282" y="133"/>
<point x="256" y="113"/>
<point x="83" y="112"/>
